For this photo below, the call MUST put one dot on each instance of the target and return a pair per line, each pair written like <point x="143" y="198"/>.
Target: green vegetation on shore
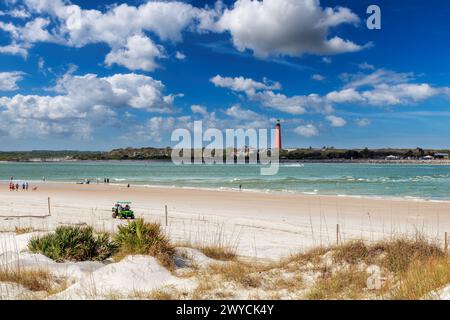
<point x="67" y="155"/>
<point x="306" y="154"/>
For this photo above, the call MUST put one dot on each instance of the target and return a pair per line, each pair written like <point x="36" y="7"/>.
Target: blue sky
<point x="95" y="76"/>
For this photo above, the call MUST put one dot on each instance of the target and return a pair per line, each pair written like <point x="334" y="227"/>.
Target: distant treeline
<point x="67" y="155"/>
<point x="330" y="153"/>
<point x="323" y="154"/>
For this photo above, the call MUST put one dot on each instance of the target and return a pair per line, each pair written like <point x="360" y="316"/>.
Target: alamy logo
<point x="233" y="146"/>
<point x="374" y="20"/>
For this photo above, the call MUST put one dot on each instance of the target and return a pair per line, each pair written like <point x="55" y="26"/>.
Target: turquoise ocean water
<point x="385" y="180"/>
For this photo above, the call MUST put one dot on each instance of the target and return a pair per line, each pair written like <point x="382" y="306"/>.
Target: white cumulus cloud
<point x="9" y="80"/>
<point x="244" y="84"/>
<point x="383" y="88"/>
<point x="363" y="122"/>
<point x="139" y="53"/>
<point x="180" y="56"/>
<point x="264" y="93"/>
<point x="318" y="77"/>
<point x="124" y="28"/>
<point x="199" y="109"/>
<point x="336" y="121"/>
<point x="82" y="103"/>
<point x="286" y="27"/>
<point x="138" y="32"/>
<point x="308" y="130"/>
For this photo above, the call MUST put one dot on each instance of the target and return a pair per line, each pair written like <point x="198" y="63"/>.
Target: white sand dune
<point x="131" y="276"/>
<point x="73" y="271"/>
<point x="128" y="278"/>
<point x="14" y="291"/>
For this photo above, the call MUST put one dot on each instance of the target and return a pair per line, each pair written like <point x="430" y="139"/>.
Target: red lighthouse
<point x="278" y="135"/>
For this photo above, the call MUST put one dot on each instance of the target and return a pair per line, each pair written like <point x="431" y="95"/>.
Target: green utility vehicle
<point x="122" y="210"/>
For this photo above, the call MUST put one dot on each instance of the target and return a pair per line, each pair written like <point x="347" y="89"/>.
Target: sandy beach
<point x="261" y="225"/>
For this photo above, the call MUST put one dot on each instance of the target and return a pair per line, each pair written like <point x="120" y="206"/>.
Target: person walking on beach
<point x="240" y="187"/>
<point x="23" y="186"/>
<point x="17" y="187"/>
<point x="26" y="186"/>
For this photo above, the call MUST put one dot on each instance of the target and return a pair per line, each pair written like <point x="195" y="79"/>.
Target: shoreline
<point x="281" y="161"/>
<point x="236" y="190"/>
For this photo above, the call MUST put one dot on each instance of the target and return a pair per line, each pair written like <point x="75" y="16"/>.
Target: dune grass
<point x="34" y="280"/>
<point x="140" y="237"/>
<point x="73" y="243"/>
<point x="237" y="271"/>
<point x="345" y="284"/>
<point x="219" y="252"/>
<point x="415" y="266"/>
<point x="396" y="255"/>
<point x="403" y="252"/>
<point x="421" y="279"/>
<point x="23" y="230"/>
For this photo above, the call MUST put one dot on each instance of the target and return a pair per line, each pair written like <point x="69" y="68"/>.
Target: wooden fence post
<point x="337" y="234"/>
<point x="167" y="222"/>
<point x="446" y="243"/>
<point x="48" y="201"/>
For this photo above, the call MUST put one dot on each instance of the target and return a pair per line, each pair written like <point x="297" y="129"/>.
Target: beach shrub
<point x="73" y="243"/>
<point x="403" y="251"/>
<point x="356" y="251"/>
<point x="140" y="237"/>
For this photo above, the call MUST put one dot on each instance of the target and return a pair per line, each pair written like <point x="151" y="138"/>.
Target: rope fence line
<point x="25" y="216"/>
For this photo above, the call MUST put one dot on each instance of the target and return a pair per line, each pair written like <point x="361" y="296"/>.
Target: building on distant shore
<point x="440" y="155"/>
<point x="428" y="157"/>
<point x="392" y="157"/>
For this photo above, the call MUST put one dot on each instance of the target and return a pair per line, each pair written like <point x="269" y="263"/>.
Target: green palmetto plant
<point x="140" y="237"/>
<point x="73" y="244"/>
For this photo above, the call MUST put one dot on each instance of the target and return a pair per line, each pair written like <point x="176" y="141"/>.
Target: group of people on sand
<point x="88" y="181"/>
<point x="16" y="186"/>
